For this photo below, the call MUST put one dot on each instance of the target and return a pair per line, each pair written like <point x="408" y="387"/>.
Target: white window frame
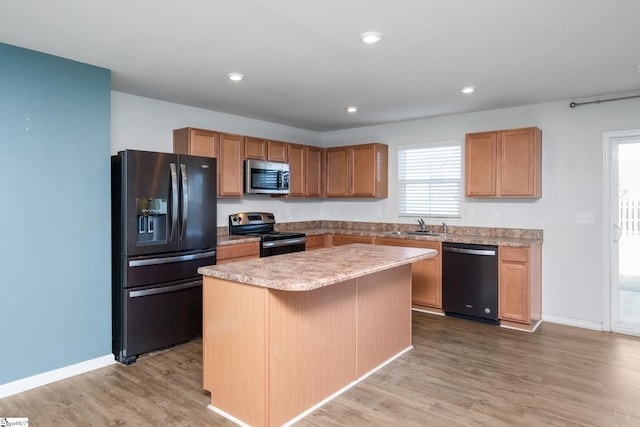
<point x="457" y="193"/>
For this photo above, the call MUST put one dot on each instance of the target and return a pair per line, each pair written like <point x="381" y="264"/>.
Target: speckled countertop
<point x="305" y="271"/>
<point x="456" y="234"/>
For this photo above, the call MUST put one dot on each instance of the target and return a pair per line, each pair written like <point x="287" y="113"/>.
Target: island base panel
<point x="270" y="355"/>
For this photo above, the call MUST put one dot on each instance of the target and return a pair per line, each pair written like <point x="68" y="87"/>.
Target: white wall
<point x="572" y="180"/>
<point x="147" y="124"/>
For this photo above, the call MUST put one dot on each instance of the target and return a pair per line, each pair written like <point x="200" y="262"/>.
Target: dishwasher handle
<point x="482" y="252"/>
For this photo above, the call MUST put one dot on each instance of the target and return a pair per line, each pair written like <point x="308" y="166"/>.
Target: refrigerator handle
<point x="174" y="201"/>
<point x="185" y="200"/>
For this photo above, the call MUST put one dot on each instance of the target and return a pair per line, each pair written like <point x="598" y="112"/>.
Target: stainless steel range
<point x="262" y="224"/>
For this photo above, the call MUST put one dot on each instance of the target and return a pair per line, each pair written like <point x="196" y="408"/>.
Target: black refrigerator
<point x="163" y="228"/>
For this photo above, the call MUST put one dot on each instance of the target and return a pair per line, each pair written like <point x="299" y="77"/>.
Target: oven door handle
<point x="285" y="242"/>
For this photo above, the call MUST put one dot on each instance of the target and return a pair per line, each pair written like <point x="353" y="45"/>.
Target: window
<point x="430" y="179"/>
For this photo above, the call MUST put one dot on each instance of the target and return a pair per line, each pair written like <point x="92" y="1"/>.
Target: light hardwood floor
<point x="460" y="373"/>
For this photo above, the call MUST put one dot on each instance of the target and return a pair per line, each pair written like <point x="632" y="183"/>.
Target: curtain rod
<point x="598" y="101"/>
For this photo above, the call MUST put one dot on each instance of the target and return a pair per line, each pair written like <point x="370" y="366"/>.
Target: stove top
<point x="259" y="224"/>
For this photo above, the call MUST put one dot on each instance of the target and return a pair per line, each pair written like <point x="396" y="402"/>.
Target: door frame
<point x="610" y="198"/>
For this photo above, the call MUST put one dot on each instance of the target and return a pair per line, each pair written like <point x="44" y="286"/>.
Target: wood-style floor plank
<point x="459" y="373"/>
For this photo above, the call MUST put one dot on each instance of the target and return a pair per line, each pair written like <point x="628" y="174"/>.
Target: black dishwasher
<point x="470" y="281"/>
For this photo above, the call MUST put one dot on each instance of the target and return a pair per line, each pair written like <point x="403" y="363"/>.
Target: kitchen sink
<point x="413" y="233"/>
<point x="421" y="233"/>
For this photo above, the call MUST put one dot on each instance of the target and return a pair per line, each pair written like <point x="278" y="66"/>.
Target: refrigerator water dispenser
<point x="152" y="220"/>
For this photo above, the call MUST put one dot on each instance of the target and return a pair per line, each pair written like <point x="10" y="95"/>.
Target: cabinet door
<point x="368" y="170"/>
<point x="296" y="170"/>
<point x="519" y="161"/>
<point x="337" y="172"/>
<point x="313" y="171"/>
<point x="230" y="168"/>
<point x="277" y="151"/>
<point x="426" y="275"/>
<point x="513" y="291"/>
<point x="196" y="142"/>
<point x="255" y="148"/>
<point x="481" y="150"/>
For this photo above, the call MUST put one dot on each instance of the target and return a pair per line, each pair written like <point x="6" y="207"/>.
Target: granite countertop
<point x="450" y="237"/>
<point x="305" y="271"/>
<point x="226" y="239"/>
<point x="456" y="234"/>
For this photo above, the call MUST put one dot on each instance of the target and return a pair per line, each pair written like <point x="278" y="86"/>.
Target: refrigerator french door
<point x="164" y="227"/>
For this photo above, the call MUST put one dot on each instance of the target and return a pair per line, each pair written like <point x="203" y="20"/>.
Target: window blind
<point x="430" y="180"/>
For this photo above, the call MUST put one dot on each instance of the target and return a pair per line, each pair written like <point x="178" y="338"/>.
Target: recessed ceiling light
<point x="351" y="109"/>
<point x="467" y="90"/>
<point x="371" y="37"/>
<point x="236" y="77"/>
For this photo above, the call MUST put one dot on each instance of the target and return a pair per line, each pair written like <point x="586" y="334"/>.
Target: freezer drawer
<point x="154" y="317"/>
<point x="149" y="270"/>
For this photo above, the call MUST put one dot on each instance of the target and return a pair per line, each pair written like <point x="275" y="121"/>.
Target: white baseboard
<point x="596" y="326"/>
<point x="49" y="377"/>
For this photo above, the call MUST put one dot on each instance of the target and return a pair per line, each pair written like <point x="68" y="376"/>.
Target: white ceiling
<point x="304" y="62"/>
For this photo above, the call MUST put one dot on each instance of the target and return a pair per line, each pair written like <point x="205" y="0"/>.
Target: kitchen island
<point x="282" y="335"/>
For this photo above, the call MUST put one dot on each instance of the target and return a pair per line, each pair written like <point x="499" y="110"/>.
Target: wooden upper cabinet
<point x="262" y="149"/>
<point x="305" y="168"/>
<point x="196" y="142"/>
<point x="313" y="162"/>
<point x="337" y="172"/>
<point x="357" y="171"/>
<point x="481" y="153"/>
<point x="226" y="148"/>
<point x="369" y="170"/>
<point x="255" y="148"/>
<point x="521" y="161"/>
<point x="505" y="163"/>
<point x="277" y="151"/>
<point x="230" y="165"/>
<point x="295" y="153"/>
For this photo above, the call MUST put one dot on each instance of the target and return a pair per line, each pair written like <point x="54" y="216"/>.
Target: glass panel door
<point x="628" y="229"/>
<point x="623" y="237"/>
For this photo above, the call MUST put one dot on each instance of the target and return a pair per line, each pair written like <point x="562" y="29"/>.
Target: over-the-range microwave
<point x="262" y="177"/>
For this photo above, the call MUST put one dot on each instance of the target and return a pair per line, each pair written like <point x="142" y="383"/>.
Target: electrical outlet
<point x="495" y="215"/>
<point x="584" y="218"/>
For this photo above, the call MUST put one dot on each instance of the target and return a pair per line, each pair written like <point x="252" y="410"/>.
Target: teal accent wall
<point x="55" y="274"/>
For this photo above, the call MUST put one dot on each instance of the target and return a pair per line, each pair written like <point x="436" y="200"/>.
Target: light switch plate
<point x="584" y="218"/>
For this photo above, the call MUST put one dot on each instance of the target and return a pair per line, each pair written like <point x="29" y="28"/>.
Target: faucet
<point x="423" y="227"/>
<point x="444" y="229"/>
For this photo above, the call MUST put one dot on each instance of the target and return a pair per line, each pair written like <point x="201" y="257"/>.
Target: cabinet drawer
<point x="341" y="239"/>
<point x="236" y="252"/>
<point x="409" y="243"/>
<point x="514" y="254"/>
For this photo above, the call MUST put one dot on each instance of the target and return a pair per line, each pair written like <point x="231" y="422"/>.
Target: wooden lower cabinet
<point x="520" y="286"/>
<point x="426" y="275"/>
<point x="317" y="242"/>
<point x="237" y="252"/>
<point x="344" y="239"/>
